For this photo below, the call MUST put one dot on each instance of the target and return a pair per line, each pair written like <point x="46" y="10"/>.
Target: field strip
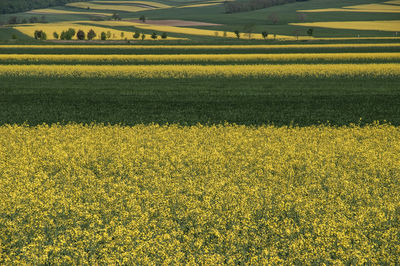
<point x="202" y="71"/>
<point x="178" y="47"/>
<point x="386" y="25"/>
<point x="154" y="189"/>
<point x="194" y="58"/>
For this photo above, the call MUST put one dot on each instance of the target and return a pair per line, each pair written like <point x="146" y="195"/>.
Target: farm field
<point x="200" y="154"/>
<point x="206" y="146"/>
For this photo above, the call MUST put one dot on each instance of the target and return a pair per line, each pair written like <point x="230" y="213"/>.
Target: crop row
<point x="98" y="194"/>
<point x="203" y="71"/>
<point x="198" y="58"/>
<point x="179" y="47"/>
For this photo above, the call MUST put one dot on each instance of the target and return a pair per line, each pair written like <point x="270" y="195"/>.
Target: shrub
<point x="136" y="35"/>
<point x="103" y="36"/>
<point x="55" y="35"/>
<point x="91" y="35"/>
<point x="142" y="18"/>
<point x="237" y="34"/>
<point x="264" y="34"/>
<point x="40" y="35"/>
<point x="164" y="35"/>
<point x="108" y="34"/>
<point x="80" y="35"/>
<point x="310" y="32"/>
<point x="143" y="36"/>
<point x="154" y="36"/>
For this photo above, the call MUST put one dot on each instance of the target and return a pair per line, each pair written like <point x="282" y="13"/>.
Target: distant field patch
<point x="177" y="23"/>
<point x="389" y="25"/>
<point x="58" y="11"/>
<point x="144" y="3"/>
<point x="371" y="8"/>
<point x="201" y="5"/>
<point x="89" y="5"/>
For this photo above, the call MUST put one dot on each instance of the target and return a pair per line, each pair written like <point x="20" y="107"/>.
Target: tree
<point x="40" y="35"/>
<point x="24" y="21"/>
<point x="136" y="35"/>
<point x="62" y="36"/>
<point x="55" y="35"/>
<point x="264" y="34"/>
<point x="143" y="36"/>
<point x="164" y="35"/>
<point x="237" y="34"/>
<point x="116" y="16"/>
<point x="248" y="29"/>
<point x="80" y="35"/>
<point x="154" y="36"/>
<point x="103" y="36"/>
<point x="91" y="35"/>
<point x="43" y="19"/>
<point x="142" y="18"/>
<point x="70" y="33"/>
<point x="310" y="32"/>
<point x="122" y="34"/>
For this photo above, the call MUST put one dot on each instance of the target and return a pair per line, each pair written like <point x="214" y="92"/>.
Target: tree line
<point x="249" y="5"/>
<point x="15" y="6"/>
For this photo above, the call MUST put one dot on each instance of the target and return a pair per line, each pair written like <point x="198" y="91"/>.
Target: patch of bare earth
<point x="176" y="23"/>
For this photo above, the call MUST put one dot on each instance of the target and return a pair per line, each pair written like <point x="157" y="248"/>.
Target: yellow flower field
<point x="146" y="3"/>
<point x="388" y="25"/>
<point x="370" y="8"/>
<point x="193" y="58"/>
<point x="205" y="47"/>
<point x="90" y="5"/>
<point x="29" y="29"/>
<point x="202" y="71"/>
<point x="208" y="195"/>
<point x="58" y="11"/>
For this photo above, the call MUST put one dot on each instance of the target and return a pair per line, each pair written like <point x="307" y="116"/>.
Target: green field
<point x="251" y="101"/>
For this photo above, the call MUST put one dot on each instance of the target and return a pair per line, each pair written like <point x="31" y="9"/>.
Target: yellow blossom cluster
<point x="197" y="58"/>
<point x="222" y="194"/>
<point x="203" y="71"/>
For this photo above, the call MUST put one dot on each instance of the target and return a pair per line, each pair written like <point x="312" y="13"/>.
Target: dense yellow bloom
<point x="206" y="195"/>
<point x="386" y="25"/>
<point x="197" y="71"/>
<point x="193" y="58"/>
<point x="205" y="47"/>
